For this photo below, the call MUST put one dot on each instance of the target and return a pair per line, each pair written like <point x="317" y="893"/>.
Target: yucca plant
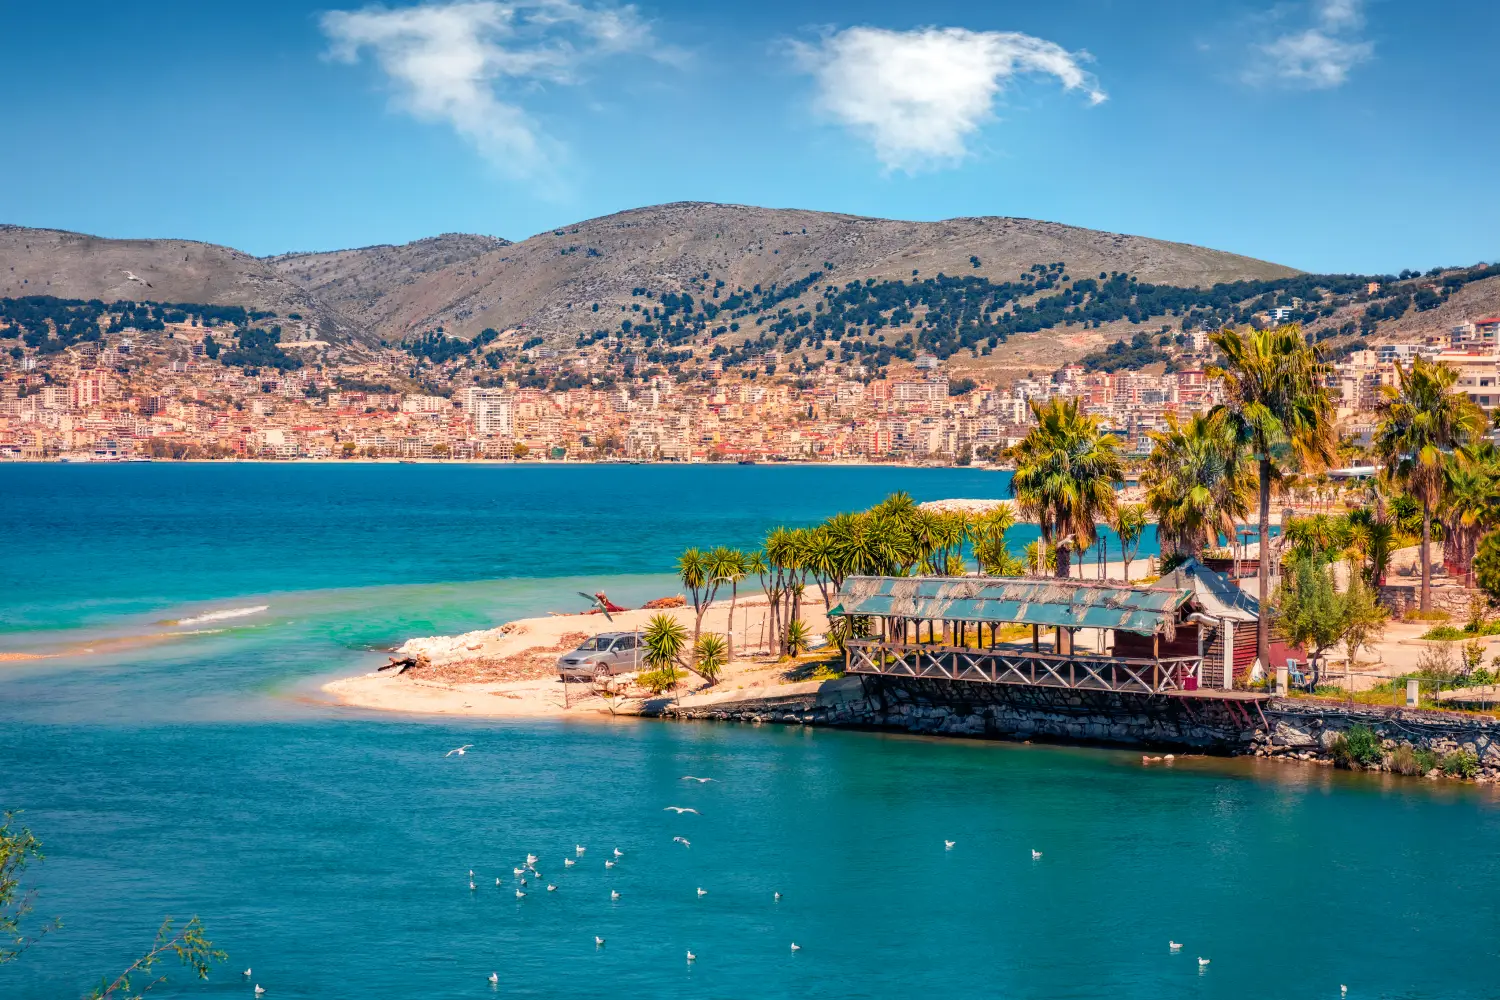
<point x="711" y="653"/>
<point x="798" y="637"/>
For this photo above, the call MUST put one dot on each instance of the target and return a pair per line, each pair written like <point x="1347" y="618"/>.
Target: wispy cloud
<point x="1318" y="57"/>
<point x="917" y="96"/>
<point x="469" y="63"/>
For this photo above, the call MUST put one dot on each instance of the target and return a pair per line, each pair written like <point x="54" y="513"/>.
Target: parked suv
<point x="605" y="654"/>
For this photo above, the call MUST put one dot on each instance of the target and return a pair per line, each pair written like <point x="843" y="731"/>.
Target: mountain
<point x="75" y="266"/>
<point x="548" y="284"/>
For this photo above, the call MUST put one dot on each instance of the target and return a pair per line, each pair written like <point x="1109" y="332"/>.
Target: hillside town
<point x="164" y="394"/>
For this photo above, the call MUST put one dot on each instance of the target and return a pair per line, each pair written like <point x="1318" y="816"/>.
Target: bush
<point x="1461" y="764"/>
<point x="797" y="637"/>
<point x="1359" y="746"/>
<point x="711" y="652"/>
<point x="659" y="680"/>
<point x="1411" y="760"/>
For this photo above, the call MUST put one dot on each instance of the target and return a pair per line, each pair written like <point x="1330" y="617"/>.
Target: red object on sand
<point x="609" y="605"/>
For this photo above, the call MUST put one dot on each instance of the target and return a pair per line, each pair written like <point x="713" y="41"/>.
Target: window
<point x="627" y="642"/>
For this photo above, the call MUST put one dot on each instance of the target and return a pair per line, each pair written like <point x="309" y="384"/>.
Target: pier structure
<point x="1186" y="636"/>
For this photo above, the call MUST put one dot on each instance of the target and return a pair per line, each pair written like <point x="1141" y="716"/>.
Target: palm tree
<point x="1128" y="524"/>
<point x="728" y="566"/>
<point x="664" y="638"/>
<point x="1066" y="470"/>
<point x="695" y="569"/>
<point x="987" y="532"/>
<point x="1277" y="405"/>
<point x="1422" y="421"/>
<point x="1472" y="504"/>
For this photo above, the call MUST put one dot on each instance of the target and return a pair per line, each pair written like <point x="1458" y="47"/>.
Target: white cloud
<point x="918" y="95"/>
<point x="463" y="62"/>
<point x="1319" y="57"/>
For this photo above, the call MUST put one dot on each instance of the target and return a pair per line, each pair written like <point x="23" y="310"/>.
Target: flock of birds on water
<point x="520" y="873"/>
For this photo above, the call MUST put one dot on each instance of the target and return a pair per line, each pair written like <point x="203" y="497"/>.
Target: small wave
<point x="219" y="616"/>
<point x="200" y="631"/>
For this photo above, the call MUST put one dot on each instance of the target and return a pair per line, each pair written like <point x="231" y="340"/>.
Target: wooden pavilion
<point x="1175" y="638"/>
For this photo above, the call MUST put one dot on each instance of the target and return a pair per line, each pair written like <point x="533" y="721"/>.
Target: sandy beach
<point x="510" y="670"/>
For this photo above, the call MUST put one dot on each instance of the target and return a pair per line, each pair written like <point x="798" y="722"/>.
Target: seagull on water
<point x="459" y="750"/>
<point x="1202" y="962"/>
<point x="777" y="897"/>
<point x="1343" y="989"/>
<point x="679" y="810"/>
<point x="520" y="894"/>
<point x="551" y="887"/>
<point x="569" y="862"/>
<point x="1174" y="945"/>
<point x="691" y="956"/>
<point x="471" y="873"/>
<point x="471" y="884"/>
<point x="530" y="860"/>
<point x="681" y="840"/>
<point x="1036" y="855"/>
<point x="259" y="989"/>
<point x="948" y="844"/>
<point x="689" y="777"/>
<point x="579" y="848"/>
<point x="497" y="882"/>
<point x="518" y="872"/>
<point x="619" y="853"/>
<point x="494" y="977"/>
<point x="609" y="864"/>
<point x="796" y="946"/>
<point x="598" y="941"/>
<point x="613" y="894"/>
<point x="246" y="973"/>
<point x="702" y="891"/>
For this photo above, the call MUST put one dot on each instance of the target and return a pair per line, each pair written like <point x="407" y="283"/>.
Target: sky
<point x="1329" y="135"/>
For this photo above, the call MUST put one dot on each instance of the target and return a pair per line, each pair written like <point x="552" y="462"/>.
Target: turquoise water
<point x="328" y="848"/>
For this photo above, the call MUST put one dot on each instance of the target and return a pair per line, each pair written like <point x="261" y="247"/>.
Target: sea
<point x="174" y="754"/>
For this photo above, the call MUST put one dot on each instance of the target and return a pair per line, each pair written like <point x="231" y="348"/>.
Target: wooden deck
<point x="1030" y="668"/>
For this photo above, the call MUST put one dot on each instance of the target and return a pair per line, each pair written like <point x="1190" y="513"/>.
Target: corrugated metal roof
<point x="1072" y="603"/>
<point x="1217" y="595"/>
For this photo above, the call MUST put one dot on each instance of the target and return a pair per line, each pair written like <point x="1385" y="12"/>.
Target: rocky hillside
<point x="549" y="283"/>
<point x="74" y="266"/>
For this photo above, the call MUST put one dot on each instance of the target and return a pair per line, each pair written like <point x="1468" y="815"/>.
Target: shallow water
<point x="328" y="848"/>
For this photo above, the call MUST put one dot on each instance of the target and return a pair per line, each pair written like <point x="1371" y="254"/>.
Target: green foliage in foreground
<point x="1359" y="746"/>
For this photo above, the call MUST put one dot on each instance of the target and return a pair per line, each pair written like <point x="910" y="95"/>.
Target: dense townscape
<point x="866" y="371"/>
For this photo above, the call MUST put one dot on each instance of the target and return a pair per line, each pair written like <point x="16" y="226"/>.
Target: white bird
<point x="598" y="941"/>
<point x="692" y="957"/>
<point x="259" y="989"/>
<point x="471" y="873"/>
<point x="609" y="864"/>
<point x="679" y="810"/>
<point x="1036" y="855"/>
<point x="518" y="872"/>
<point x="551" y="887"/>
<point x="702" y="891"/>
<point x="471" y="884"/>
<point x="530" y="860"/>
<point x="948" y="844"/>
<point x="523" y="881"/>
<point x="619" y="853"/>
<point x="681" y="840"/>
<point x="568" y="862"/>
<point x="579" y="848"/>
<point x="494" y="977"/>
<point x="1202" y="961"/>
<point x="778" y="897"/>
<point x="1343" y="989"/>
<point x="796" y="946"/>
<point x="497" y="882"/>
<point x="689" y="777"/>
<point x="1174" y="946"/>
<point x="246" y="973"/>
<point x="458" y="750"/>
<point x="520" y="894"/>
<point x="613" y="894"/>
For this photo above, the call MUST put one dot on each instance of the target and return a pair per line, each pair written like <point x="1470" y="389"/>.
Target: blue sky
<point x="1343" y="135"/>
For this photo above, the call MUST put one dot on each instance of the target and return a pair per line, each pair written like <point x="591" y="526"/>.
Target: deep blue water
<point x="328" y="849"/>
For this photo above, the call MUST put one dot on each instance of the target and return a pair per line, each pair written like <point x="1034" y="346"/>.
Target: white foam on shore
<point x="219" y="616"/>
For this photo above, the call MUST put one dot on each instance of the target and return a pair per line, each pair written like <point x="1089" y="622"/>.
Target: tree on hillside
<point x="1278" y="407"/>
<point x="1422" y="421"/>
<point x="1066" y="471"/>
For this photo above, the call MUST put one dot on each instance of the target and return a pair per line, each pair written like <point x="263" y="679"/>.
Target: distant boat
<point x="746" y="461"/>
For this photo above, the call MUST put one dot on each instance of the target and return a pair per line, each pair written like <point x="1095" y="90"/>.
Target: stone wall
<point x="1282" y="728"/>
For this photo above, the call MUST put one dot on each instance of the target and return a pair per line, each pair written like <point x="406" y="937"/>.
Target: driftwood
<point x="401" y="664"/>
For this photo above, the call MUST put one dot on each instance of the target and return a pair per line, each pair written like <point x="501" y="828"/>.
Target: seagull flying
<point x="458" y="750"/>
<point x="600" y="603"/>
<point x="681" y="840"/>
<point x="689" y="777"/>
<point x="679" y="810"/>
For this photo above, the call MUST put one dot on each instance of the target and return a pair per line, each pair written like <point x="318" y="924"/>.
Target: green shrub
<point x="659" y="680"/>
<point x="798" y="636"/>
<point x="1444" y="633"/>
<point x="1426" y="760"/>
<point x="712" y="651"/>
<point x="1404" y="760"/>
<point x="1359" y="746"/>
<point x="1461" y="764"/>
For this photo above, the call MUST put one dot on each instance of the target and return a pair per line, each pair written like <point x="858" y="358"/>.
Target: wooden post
<point x="1036" y="638"/>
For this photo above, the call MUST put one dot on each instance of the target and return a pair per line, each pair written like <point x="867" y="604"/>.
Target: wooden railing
<point x="1032" y="669"/>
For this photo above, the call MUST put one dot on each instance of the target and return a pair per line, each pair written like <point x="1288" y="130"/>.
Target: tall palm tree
<point x="1471" y="505"/>
<point x="1422" y="421"/>
<point x="1066" y="471"/>
<point x="1277" y="405"/>
<point x="728" y="566"/>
